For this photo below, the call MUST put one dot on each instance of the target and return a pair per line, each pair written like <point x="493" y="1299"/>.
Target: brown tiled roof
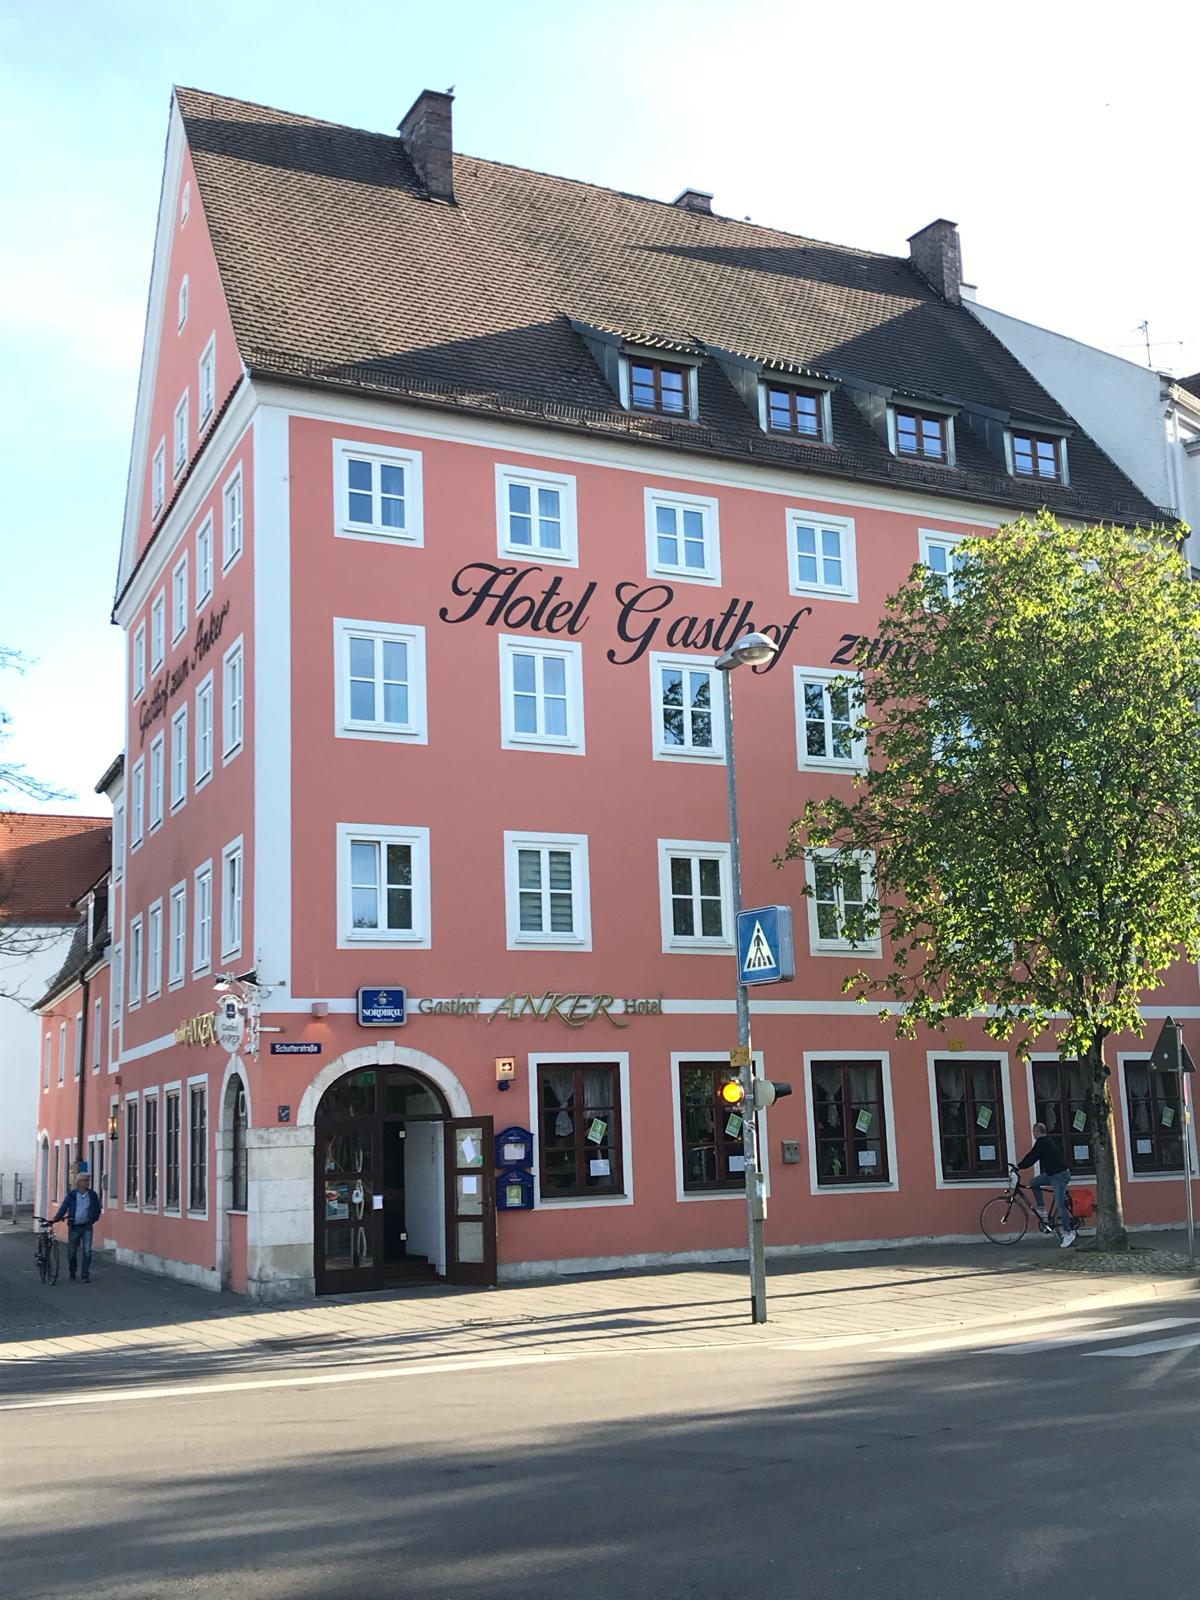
<point x="339" y="270"/>
<point x="47" y="862"/>
<point x="1192" y="384"/>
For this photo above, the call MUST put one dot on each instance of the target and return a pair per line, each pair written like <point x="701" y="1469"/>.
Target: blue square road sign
<point x="766" y="953"/>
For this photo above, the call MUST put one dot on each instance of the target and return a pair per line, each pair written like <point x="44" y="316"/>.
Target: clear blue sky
<point x="1049" y="133"/>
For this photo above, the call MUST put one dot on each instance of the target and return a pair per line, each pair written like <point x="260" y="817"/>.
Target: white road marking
<point x="304" y="1380"/>
<point x="976" y="1338"/>
<point x="1154" y="1347"/>
<point x="1058" y="1341"/>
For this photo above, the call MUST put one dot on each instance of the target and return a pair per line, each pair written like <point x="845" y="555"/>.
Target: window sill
<point x="383" y="732"/>
<point x="563" y="747"/>
<point x="861" y="952"/>
<point x="715" y="758"/>
<point x="531" y="942"/>
<point x="380" y="939"/>
<point x="714" y="947"/>
<point x="230" y="561"/>
<point x="202" y="783"/>
<point x="846" y="768"/>
<point x="234" y="751"/>
<point x="855" y="1188"/>
<point x="582" y="1199"/>
<point x="352" y="530"/>
<point x="197" y="1216"/>
<point x="685" y="575"/>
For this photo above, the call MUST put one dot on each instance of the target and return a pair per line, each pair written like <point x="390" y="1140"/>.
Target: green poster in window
<point x="597" y="1130"/>
<point x="862" y="1123"/>
<point x="1168" y="1116"/>
<point x="984" y="1117"/>
<point x="1079" y="1121"/>
<point x="734" y="1126"/>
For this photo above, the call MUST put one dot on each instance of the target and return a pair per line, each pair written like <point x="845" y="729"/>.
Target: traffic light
<point x="733" y="1092"/>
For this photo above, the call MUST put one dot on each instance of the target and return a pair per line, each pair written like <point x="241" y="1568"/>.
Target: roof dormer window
<point x="659" y="386"/>
<point x="922" y="435"/>
<point x="1038" y="456"/>
<point x="799" y="413"/>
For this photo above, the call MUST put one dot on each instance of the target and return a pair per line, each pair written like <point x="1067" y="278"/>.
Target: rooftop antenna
<point x="1144" y="329"/>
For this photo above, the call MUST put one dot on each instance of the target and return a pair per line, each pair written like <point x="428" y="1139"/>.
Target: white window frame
<point x="180" y="433"/>
<point x="137" y="811"/>
<point x="882" y="1059"/>
<point x="684" y="1195"/>
<point x="177" y="935"/>
<point x="847" y="590"/>
<point x="139" y="660"/>
<point x="865" y="950"/>
<point x="205" y="695"/>
<point x="1124" y="1056"/>
<point x="826" y="676"/>
<point x="136" y="947"/>
<point x="97" y="1032"/>
<point x="416" y="729"/>
<point x="179" y="759"/>
<point x="576" y="846"/>
<point x="233" y="705"/>
<point x="115" y="995"/>
<point x="118" y="843"/>
<point x="233" y="851"/>
<point x="672" y="752"/>
<point x="62" y="1053"/>
<point x="420" y="935"/>
<point x="413" y="533"/>
<point x="929" y="538"/>
<point x="708" y="506"/>
<point x="941" y="1181"/>
<point x="233" y="526"/>
<point x="154" y="948"/>
<point x="532" y="479"/>
<point x="197" y="1081"/>
<point x="158" y="478"/>
<point x="571" y="653"/>
<point x="48" y="1063"/>
<point x="202" y="924"/>
<point x="204" y="567"/>
<point x="158" y="630"/>
<point x="78" y="1051"/>
<point x="206" y="382"/>
<point x="158" y="761"/>
<point x="134" y="1099"/>
<point x="180" y="615"/>
<point x="696" y="944"/>
<point x="150" y="1096"/>
<point x="583" y="1058"/>
<point x="169" y="1091"/>
<point x="185" y="204"/>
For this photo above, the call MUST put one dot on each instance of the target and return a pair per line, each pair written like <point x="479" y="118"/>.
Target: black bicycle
<point x="45" y="1251"/>
<point x="1006" y="1218"/>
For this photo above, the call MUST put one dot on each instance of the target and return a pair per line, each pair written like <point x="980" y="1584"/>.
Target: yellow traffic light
<point x="733" y="1091"/>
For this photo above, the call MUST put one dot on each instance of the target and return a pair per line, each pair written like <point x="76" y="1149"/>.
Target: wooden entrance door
<point x="349" y="1225"/>
<point x="470" y="1200"/>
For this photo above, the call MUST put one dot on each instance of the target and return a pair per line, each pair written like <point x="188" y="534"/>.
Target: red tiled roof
<point x="47" y="862"/>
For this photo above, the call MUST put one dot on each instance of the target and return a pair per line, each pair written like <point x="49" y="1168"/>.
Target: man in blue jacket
<point x="82" y="1210"/>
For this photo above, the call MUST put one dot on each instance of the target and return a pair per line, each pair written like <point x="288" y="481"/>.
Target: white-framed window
<point x="150" y="1150"/>
<point x="207" y="375"/>
<point x="683" y="537"/>
<point x="158" y="478"/>
<point x="686" y="713"/>
<point x="179" y="758"/>
<point x="378" y="490"/>
<point x="197" y="1147"/>
<point x="579" y="1108"/>
<point x="181" y="433"/>
<point x="840" y="907"/>
<point x="939" y="552"/>
<point x="132" y="1152"/>
<point x="231" y="521"/>
<point x="139" y="660"/>
<point x="137" y="814"/>
<point x="828" y="707"/>
<point x="383" y="886"/>
<point x="62" y="1052"/>
<point x="97" y="1033"/>
<point x="536" y="515"/>
<point x="177" y="936"/>
<point x="547" y="893"/>
<point x="46" y="1064"/>
<point x="233" y="699"/>
<point x="179" y="599"/>
<point x="78" y="1045"/>
<point x="117" y="987"/>
<point x="822" y="556"/>
<point x="204" y="561"/>
<point x="158" y="630"/>
<point x="158" y="747"/>
<point x="172" y="1127"/>
<point x="202" y="919"/>
<point x="232" y="877"/>
<point x="185" y="204"/>
<point x="154" y="949"/>
<point x="183" y="301"/>
<point x="851" y="1125"/>
<point x="695" y="897"/>
<point x="118" y="844"/>
<point x="380" y="676"/>
<point x="204" y="730"/>
<point x="135" y="962"/>
<point x="541" y="695"/>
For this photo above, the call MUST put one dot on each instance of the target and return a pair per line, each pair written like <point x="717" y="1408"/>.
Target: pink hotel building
<point x="449" y="482"/>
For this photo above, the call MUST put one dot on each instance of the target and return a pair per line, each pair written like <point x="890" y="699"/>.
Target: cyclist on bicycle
<point x="1052" y="1169"/>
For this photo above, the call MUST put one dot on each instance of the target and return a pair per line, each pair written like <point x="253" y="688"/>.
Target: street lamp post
<point x="750" y="651"/>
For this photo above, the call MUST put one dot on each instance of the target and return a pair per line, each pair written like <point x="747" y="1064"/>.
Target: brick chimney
<point x="937" y="256"/>
<point x="695" y="200"/>
<point x="427" y="137"/>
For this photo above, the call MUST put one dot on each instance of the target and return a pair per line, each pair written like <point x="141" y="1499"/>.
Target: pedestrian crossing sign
<point x="765" y="949"/>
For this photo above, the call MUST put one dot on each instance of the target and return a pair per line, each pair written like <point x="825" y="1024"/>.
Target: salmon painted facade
<point x="422" y="603"/>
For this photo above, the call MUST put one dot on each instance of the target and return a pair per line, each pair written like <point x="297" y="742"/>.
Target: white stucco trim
<point x="383" y="1053"/>
<point x="272" y="699"/>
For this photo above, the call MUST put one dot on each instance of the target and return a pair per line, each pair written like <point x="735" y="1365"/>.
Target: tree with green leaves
<point x="1032" y="798"/>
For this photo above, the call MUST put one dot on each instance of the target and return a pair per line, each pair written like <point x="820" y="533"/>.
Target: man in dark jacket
<point x="82" y="1210"/>
<point x="1054" y="1170"/>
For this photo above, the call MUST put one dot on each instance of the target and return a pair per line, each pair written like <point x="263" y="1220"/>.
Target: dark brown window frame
<point x="792" y="392"/>
<point x="722" y="1144"/>
<point x="1036" y="439"/>
<point x="171" y="1150"/>
<point x="996" y="1133"/>
<point x="656" y="369"/>
<point x="197" y="1149"/>
<point x="1066" y="1106"/>
<point x="853" y="1176"/>
<point x="1160" y="1094"/>
<point x="150" y="1152"/>
<point x="581" y="1189"/>
<point x="920" y="418"/>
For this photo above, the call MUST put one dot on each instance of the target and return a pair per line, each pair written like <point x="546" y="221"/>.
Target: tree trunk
<point x="1110" y="1216"/>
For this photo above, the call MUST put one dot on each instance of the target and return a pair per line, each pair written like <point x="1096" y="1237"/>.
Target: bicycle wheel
<point x="1004" y="1221"/>
<point x="43" y="1261"/>
<point x="52" y="1261"/>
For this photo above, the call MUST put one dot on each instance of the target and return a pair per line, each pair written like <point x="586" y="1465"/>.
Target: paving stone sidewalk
<point x="126" y="1320"/>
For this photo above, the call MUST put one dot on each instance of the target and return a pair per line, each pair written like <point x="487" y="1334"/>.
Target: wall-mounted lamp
<point x="506" y="1071"/>
<point x="112" y="1125"/>
<point x="319" y="1008"/>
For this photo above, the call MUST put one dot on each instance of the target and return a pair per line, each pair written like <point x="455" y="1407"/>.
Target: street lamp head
<point x="749" y="651"/>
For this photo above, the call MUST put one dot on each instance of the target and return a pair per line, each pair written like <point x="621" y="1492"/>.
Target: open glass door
<point x="349" y="1221"/>
<point x="470" y="1201"/>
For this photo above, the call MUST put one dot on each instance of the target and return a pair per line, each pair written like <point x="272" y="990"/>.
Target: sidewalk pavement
<point x="126" y="1320"/>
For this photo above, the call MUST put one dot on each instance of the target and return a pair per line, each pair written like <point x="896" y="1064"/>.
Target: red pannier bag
<point x="1083" y="1201"/>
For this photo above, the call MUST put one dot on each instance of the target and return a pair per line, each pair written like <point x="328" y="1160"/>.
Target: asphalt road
<point x="902" y="1470"/>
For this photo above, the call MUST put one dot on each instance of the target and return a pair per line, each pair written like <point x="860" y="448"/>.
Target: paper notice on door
<point x="512" y="1154"/>
<point x="1145" y="1147"/>
<point x="467" y="1151"/>
<point x="596" y="1131"/>
<point x="376" y="1202"/>
<point x="866" y="1158"/>
<point x="1168" y="1116"/>
<point x="733" y="1126"/>
<point x="863" y="1121"/>
<point x="469" y="1185"/>
<point x="1079" y="1121"/>
<point x="737" y="1163"/>
<point x="983" y="1117"/>
<point x="599" y="1169"/>
<point x="987" y="1152"/>
<point x="1080" y="1152"/>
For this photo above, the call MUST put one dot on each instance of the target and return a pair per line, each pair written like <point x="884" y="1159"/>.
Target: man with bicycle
<point x="1052" y="1169"/>
<point x="82" y="1210"/>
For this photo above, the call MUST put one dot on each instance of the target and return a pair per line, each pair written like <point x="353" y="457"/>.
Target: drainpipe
<point x="81" y="1047"/>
